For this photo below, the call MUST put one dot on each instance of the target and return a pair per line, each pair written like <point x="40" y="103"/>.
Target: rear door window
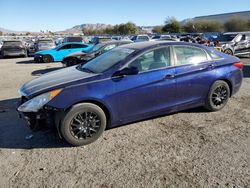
<point x="78" y="46"/>
<point x="189" y="55"/>
<point x="65" y="47"/>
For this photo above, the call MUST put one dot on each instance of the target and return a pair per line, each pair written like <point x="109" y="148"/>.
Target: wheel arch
<point x="53" y="59"/>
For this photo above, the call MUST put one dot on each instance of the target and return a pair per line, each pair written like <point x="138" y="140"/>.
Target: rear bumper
<point x="6" y="53"/>
<point x="237" y="82"/>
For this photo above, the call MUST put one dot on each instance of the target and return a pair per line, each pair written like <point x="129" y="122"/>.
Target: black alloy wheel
<point x="218" y="96"/>
<point x="83" y="124"/>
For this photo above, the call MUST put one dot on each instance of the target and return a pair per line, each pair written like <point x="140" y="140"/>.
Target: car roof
<point x="151" y="44"/>
<point x="231" y="33"/>
<point x="74" y="43"/>
<point x="115" y="42"/>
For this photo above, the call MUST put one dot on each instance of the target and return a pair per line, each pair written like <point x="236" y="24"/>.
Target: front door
<point x="150" y="91"/>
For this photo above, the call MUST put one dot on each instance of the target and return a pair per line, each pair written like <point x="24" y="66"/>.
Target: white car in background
<point x="140" y="38"/>
<point x="161" y="37"/>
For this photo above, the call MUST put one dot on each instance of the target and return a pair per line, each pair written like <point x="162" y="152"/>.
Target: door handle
<point x="169" y="76"/>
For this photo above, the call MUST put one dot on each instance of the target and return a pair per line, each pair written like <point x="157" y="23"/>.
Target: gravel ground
<point x="192" y="148"/>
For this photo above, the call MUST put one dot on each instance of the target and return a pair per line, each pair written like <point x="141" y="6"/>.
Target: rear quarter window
<point x="189" y="55"/>
<point x="215" y="56"/>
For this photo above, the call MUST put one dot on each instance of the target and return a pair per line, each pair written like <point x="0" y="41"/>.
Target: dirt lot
<point x="193" y="148"/>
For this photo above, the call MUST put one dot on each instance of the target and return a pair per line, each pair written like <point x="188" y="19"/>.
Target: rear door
<point x="194" y="72"/>
<point x="62" y="52"/>
<point x="77" y="47"/>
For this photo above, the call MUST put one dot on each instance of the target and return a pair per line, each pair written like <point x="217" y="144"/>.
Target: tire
<point x="228" y="52"/>
<point x="218" y="96"/>
<point x="83" y="124"/>
<point x="47" y="59"/>
<point x="71" y="62"/>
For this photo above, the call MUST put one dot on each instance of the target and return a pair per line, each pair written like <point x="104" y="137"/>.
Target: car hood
<point x="54" y="80"/>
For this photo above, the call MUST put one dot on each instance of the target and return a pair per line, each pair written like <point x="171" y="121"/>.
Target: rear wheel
<point x="83" y="124"/>
<point x="228" y="52"/>
<point x="71" y="62"/>
<point x="218" y="96"/>
<point x="47" y="59"/>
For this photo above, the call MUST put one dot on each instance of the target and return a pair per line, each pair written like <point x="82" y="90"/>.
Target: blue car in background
<point x="130" y="83"/>
<point x="58" y="53"/>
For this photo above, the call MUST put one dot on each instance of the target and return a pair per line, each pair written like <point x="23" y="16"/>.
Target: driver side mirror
<point x="126" y="71"/>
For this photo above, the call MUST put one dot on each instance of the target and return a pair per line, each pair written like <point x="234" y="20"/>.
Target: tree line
<point x="172" y="25"/>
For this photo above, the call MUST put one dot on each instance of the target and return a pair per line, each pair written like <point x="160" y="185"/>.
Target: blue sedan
<point x="61" y="51"/>
<point x="130" y="83"/>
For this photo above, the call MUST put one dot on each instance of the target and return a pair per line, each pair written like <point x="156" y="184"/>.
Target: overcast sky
<point x="56" y="15"/>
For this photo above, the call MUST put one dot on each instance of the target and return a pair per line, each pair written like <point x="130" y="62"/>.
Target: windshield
<point x="12" y="43"/>
<point x="226" y="38"/>
<point x="107" y="60"/>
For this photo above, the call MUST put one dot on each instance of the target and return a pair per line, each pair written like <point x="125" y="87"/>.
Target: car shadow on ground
<point x="14" y="133"/>
<point x="27" y="62"/>
<point x="44" y="71"/>
<point x="246" y="71"/>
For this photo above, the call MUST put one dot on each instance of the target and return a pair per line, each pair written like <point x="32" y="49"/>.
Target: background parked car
<point x="160" y="37"/>
<point x="99" y="39"/>
<point x="72" y="39"/>
<point x="13" y="48"/>
<point x="83" y="57"/>
<point x="44" y="44"/>
<point x="234" y="43"/>
<point x="140" y="38"/>
<point x="58" y="53"/>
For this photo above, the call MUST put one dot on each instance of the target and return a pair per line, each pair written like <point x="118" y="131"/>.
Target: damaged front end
<point x="35" y="111"/>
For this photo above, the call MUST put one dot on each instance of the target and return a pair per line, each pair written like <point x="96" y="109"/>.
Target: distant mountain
<point x="79" y="28"/>
<point x="6" y="30"/>
<point x="11" y="31"/>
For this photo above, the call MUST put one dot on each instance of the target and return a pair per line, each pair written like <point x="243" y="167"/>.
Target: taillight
<point x="239" y="65"/>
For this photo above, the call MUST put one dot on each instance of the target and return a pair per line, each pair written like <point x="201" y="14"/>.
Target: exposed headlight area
<point x="36" y="103"/>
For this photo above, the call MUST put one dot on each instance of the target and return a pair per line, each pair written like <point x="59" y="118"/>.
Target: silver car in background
<point x="12" y="48"/>
<point x="44" y="44"/>
<point x="140" y="38"/>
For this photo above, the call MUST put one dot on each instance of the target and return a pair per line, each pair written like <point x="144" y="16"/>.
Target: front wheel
<point x="83" y="124"/>
<point x="218" y="96"/>
<point x="47" y="59"/>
